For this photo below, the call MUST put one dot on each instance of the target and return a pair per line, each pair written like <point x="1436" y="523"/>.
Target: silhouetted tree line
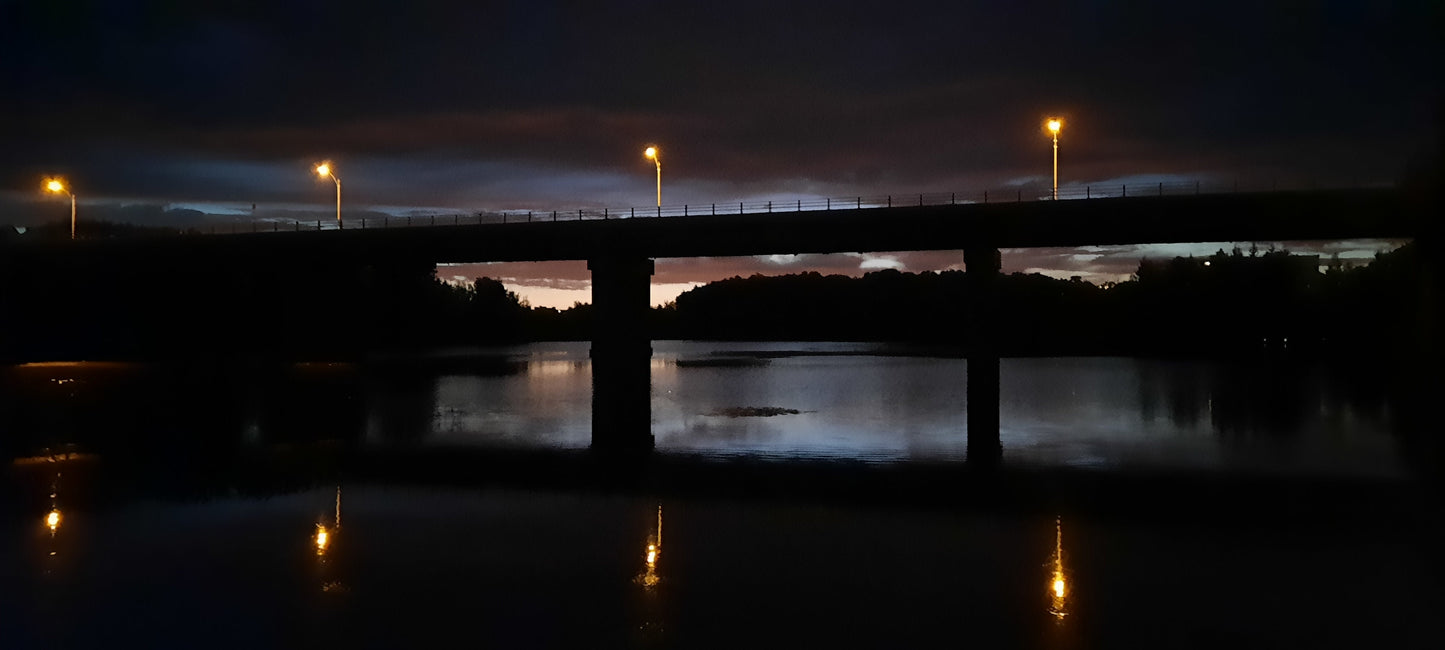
<point x="165" y="306"/>
<point x="1228" y="302"/>
<point x="484" y="312"/>
<point x="1234" y="302"/>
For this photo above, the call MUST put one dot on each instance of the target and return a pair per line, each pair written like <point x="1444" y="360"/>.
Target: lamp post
<point x="1054" y="124"/>
<point x="324" y="170"/>
<point x="652" y="154"/>
<point x="57" y="186"/>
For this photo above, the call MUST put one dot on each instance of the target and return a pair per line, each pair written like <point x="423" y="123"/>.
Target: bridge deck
<point x="1274" y="216"/>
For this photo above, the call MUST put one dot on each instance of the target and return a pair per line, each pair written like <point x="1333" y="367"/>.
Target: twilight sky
<point x="187" y="113"/>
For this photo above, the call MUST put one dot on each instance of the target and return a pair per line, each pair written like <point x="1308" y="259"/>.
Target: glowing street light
<point x="652" y="154"/>
<point x="57" y="186"/>
<point x="324" y="170"/>
<point x="1054" y="125"/>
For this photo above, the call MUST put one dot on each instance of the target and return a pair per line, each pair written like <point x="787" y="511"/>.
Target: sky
<point x="188" y="114"/>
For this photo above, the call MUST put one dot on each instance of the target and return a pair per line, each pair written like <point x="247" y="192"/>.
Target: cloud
<point x="462" y="107"/>
<point x="556" y="274"/>
<point x="28" y="211"/>
<point x="874" y="262"/>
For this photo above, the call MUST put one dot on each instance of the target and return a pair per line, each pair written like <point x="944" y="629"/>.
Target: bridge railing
<point x="860" y="202"/>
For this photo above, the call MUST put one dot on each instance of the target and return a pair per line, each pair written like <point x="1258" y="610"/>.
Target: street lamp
<point x="57" y="186"/>
<point x="651" y="154"/>
<point x="1054" y="124"/>
<point x="323" y="170"/>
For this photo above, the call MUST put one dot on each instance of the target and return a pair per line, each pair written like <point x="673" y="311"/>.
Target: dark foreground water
<point x="411" y="567"/>
<point x="1182" y="504"/>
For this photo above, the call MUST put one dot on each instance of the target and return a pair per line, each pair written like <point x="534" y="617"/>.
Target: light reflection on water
<point x="557" y="565"/>
<point x="651" y="554"/>
<point x="651" y="616"/>
<point x="53" y="518"/>
<point x="1058" y="589"/>
<point x="324" y="540"/>
<point x="325" y="535"/>
<point x="517" y="557"/>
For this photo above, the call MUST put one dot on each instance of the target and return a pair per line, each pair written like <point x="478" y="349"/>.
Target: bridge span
<point x="620" y="254"/>
<point x="1264" y="216"/>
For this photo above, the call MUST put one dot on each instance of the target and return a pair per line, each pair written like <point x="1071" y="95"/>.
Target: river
<point x="254" y="505"/>
<point x="864" y="401"/>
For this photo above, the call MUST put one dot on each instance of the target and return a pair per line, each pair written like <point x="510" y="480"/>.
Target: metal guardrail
<point x="861" y="202"/>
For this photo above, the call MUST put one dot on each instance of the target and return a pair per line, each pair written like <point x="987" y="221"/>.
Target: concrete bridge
<point x="620" y="254"/>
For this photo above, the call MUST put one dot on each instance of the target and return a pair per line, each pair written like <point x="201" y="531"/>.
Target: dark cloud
<point x="535" y="104"/>
<point x="22" y="211"/>
<point x="759" y="95"/>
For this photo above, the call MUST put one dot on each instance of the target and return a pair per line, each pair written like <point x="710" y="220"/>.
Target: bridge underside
<point x="247" y="284"/>
<point x="1285" y="216"/>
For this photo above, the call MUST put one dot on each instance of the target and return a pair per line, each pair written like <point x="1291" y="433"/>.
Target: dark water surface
<point x="871" y="402"/>
<point x="501" y="568"/>
<point x="1184" y="504"/>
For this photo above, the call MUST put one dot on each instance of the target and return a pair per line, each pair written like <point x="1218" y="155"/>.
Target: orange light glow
<point x="323" y="169"/>
<point x="55" y="185"/>
<point x="323" y="539"/>
<point x="1058" y="606"/>
<point x="52" y="520"/>
<point x="1054" y="125"/>
<point x="649" y="577"/>
<point x="651" y="153"/>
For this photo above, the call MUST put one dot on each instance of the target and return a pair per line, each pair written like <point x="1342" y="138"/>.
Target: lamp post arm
<point x="336" y="178"/>
<point x="1056" y="167"/>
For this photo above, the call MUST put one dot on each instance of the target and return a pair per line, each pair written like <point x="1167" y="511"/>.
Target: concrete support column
<point x="621" y="353"/>
<point x="983" y="264"/>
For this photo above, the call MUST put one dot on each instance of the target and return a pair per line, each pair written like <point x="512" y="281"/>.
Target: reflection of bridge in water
<point x="620" y="253"/>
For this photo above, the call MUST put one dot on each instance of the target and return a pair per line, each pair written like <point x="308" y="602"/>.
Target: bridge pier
<point x="621" y="354"/>
<point x="984" y="448"/>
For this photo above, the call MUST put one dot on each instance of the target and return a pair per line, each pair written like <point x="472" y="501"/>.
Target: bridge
<point x="841" y="227"/>
<point x="620" y="249"/>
